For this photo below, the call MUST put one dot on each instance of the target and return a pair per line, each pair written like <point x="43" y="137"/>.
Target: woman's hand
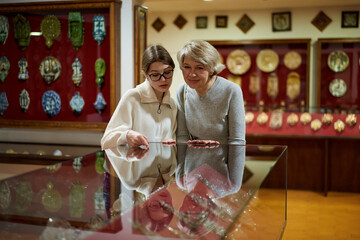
<point x="203" y="143"/>
<point x="135" y="139"/>
<point x="169" y="142"/>
<point x="136" y="154"/>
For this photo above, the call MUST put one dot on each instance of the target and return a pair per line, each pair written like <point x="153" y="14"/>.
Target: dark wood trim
<point x="91" y="126"/>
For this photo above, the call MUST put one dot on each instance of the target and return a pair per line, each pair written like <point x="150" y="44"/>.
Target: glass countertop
<point x="166" y="192"/>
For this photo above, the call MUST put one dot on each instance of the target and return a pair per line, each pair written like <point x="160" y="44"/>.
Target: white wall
<point x="172" y="38"/>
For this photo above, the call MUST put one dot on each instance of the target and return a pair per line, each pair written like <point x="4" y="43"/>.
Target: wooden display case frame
<point x="140" y="43"/>
<point x="325" y="75"/>
<point x="270" y="43"/>
<point x="113" y="66"/>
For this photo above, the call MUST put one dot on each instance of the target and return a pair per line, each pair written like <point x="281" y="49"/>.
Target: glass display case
<point x="176" y="192"/>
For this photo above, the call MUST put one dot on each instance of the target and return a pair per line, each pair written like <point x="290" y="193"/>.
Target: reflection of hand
<point x="136" y="139"/>
<point x="136" y="153"/>
<point x="203" y="143"/>
<point x="169" y="142"/>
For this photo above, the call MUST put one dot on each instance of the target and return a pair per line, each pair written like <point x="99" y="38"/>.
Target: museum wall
<point x="173" y="38"/>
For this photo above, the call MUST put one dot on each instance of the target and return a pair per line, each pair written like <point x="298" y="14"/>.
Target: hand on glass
<point x="203" y="143"/>
<point x="169" y="142"/>
<point x="136" y="139"/>
<point x="136" y="153"/>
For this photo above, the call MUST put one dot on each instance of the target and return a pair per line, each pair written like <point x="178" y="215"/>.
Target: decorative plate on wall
<point x="267" y="60"/>
<point x="238" y="62"/>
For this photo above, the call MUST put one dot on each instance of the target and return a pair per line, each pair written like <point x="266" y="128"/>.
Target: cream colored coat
<point x="138" y="111"/>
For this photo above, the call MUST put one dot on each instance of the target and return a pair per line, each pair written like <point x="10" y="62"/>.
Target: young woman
<point x="146" y="113"/>
<point x="210" y="108"/>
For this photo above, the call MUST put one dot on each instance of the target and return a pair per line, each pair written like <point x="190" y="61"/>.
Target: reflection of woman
<point x="207" y="176"/>
<point x="146" y="113"/>
<point x="148" y="175"/>
<point x="144" y="171"/>
<point x="210" y="107"/>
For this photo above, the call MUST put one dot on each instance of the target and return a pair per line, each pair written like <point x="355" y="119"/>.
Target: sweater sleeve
<point x="182" y="133"/>
<point x="237" y="118"/>
<point x="119" y="124"/>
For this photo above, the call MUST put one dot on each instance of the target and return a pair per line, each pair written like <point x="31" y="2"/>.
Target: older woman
<point x="210" y="108"/>
<point x="146" y="113"/>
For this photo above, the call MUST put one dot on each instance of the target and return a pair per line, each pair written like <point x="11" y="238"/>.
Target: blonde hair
<point x="202" y="52"/>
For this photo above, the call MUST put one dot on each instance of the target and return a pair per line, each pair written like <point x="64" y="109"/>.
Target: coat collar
<point x="147" y="94"/>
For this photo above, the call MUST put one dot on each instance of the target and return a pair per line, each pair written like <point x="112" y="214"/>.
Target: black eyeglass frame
<point x="162" y="75"/>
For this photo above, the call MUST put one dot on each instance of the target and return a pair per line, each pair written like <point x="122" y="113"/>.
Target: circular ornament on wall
<point x="338" y="61"/>
<point x="337" y="87"/>
<point x="267" y="60"/>
<point x="238" y="62"/>
<point x="292" y="60"/>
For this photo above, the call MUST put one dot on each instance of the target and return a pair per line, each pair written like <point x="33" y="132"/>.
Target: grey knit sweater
<point x="218" y="115"/>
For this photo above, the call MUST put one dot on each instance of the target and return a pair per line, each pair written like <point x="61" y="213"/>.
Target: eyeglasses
<point x="157" y="76"/>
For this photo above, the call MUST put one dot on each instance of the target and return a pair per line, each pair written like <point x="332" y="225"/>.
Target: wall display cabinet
<point x="59" y="64"/>
<point x="322" y="140"/>
<point x="339" y="74"/>
<point x="272" y="73"/>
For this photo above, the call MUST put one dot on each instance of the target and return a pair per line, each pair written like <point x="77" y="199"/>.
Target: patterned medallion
<point x="99" y="201"/>
<point x="100" y="103"/>
<point x="50" y="69"/>
<point x="51" y="103"/>
<point x="4" y="28"/>
<point x="76" y="29"/>
<point x="77" y="200"/>
<point x="5" y="195"/>
<point x="22" y="31"/>
<point x="23" y="195"/>
<point x="50" y="27"/>
<point x="4" y="68"/>
<point x="99" y="164"/>
<point x="51" y="198"/>
<point x="100" y="69"/>
<point x="77" y="73"/>
<point x="77" y="103"/>
<point x="23" y="71"/>
<point x="99" y="31"/>
<point x="4" y="104"/>
<point x="338" y="61"/>
<point x="24" y="100"/>
<point x="77" y="164"/>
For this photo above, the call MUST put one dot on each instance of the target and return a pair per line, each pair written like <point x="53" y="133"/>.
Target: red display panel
<point x="281" y="47"/>
<point x="351" y="74"/>
<point x="63" y="50"/>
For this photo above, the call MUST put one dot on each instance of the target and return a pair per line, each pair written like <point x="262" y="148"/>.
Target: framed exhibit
<point x="221" y="21"/>
<point x="158" y="24"/>
<point x="281" y="21"/>
<point x="272" y="73"/>
<point x="61" y="62"/>
<point x="140" y="21"/>
<point x="321" y="21"/>
<point x="350" y="19"/>
<point x="201" y="22"/>
<point x="338" y="74"/>
<point x="245" y="23"/>
<point x="180" y="21"/>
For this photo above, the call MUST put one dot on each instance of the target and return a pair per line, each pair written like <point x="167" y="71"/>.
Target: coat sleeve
<point x="120" y="123"/>
<point x="182" y="133"/>
<point x="237" y="118"/>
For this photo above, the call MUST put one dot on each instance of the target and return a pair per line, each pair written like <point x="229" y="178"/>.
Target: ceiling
<point x="221" y="5"/>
